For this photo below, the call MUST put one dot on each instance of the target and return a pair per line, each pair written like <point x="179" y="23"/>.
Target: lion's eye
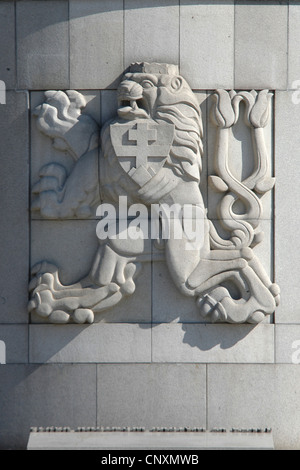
<point x="147" y="84"/>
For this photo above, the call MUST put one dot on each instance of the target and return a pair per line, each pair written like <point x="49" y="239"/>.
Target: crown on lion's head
<point x="157" y="91"/>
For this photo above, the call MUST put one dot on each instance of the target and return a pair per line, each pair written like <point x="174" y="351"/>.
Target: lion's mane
<point x="187" y="147"/>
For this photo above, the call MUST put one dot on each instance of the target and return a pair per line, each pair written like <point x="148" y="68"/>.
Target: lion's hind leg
<point x="255" y="301"/>
<point x="111" y="279"/>
<point x="59" y="303"/>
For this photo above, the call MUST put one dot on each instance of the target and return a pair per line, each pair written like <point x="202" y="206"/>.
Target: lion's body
<point x="179" y="107"/>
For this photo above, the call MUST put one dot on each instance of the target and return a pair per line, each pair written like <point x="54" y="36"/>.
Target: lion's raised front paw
<point x="60" y="119"/>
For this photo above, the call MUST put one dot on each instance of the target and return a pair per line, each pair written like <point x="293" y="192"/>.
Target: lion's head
<point x="157" y="92"/>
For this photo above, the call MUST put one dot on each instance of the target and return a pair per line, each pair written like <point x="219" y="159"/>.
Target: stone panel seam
<point x="16" y="47"/>
<point x="179" y="31"/>
<point x="288" y="46"/>
<point x="206" y="140"/>
<point x="29" y="212"/>
<point x="123" y="58"/>
<point x="69" y="47"/>
<point x="272" y="241"/>
<point x="96" y="391"/>
<point x="234" y="28"/>
<point x="207" y="395"/>
<point x="151" y="309"/>
<point x="56" y="363"/>
<point x="15" y="21"/>
<point x="28" y="203"/>
<point x="274" y="205"/>
<point x="274" y="349"/>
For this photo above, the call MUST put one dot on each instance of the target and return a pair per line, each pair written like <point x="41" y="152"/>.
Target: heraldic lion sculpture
<point x="150" y="156"/>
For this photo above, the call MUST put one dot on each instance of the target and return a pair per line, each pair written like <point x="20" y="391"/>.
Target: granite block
<point x="151" y="395"/>
<point x="287" y="245"/>
<point x="294" y="45"/>
<point x="114" y="342"/>
<point x="42" y="44"/>
<point x="260" y="45"/>
<point x="161" y="440"/>
<point x="256" y="396"/>
<point x="15" y="338"/>
<point x="148" y="28"/>
<point x="207" y="43"/>
<point x="208" y="343"/>
<point x="47" y="395"/>
<point x="7" y="41"/>
<point x="287" y="344"/>
<point x="14" y="234"/>
<point x="96" y="43"/>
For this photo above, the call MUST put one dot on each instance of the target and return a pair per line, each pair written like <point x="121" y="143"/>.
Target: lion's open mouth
<point x="133" y="108"/>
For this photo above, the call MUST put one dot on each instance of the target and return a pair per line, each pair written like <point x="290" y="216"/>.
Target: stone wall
<point x="151" y="361"/>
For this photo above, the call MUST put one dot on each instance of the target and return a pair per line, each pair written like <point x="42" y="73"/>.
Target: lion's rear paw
<point x="83" y="315"/>
<point x="275" y="291"/>
<point x="211" y="308"/>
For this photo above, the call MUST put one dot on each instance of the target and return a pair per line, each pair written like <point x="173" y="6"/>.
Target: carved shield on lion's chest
<point x="142" y="147"/>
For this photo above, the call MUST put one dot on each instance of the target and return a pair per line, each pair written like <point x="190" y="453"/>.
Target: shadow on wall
<point x="91" y="8"/>
<point x="202" y="336"/>
<point x="44" y="395"/>
<point x="88" y="8"/>
<point x="125" y="343"/>
<point x="225" y="336"/>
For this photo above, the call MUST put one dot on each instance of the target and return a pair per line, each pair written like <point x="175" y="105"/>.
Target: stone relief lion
<point x="155" y="98"/>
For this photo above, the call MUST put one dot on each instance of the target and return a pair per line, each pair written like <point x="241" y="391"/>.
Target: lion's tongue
<point x="124" y="110"/>
<point x="132" y="111"/>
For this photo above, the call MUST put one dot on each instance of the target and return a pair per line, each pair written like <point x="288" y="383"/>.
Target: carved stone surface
<point x="149" y="163"/>
<point x="160" y="439"/>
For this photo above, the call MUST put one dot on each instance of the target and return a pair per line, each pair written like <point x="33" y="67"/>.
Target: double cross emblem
<point x="142" y="147"/>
